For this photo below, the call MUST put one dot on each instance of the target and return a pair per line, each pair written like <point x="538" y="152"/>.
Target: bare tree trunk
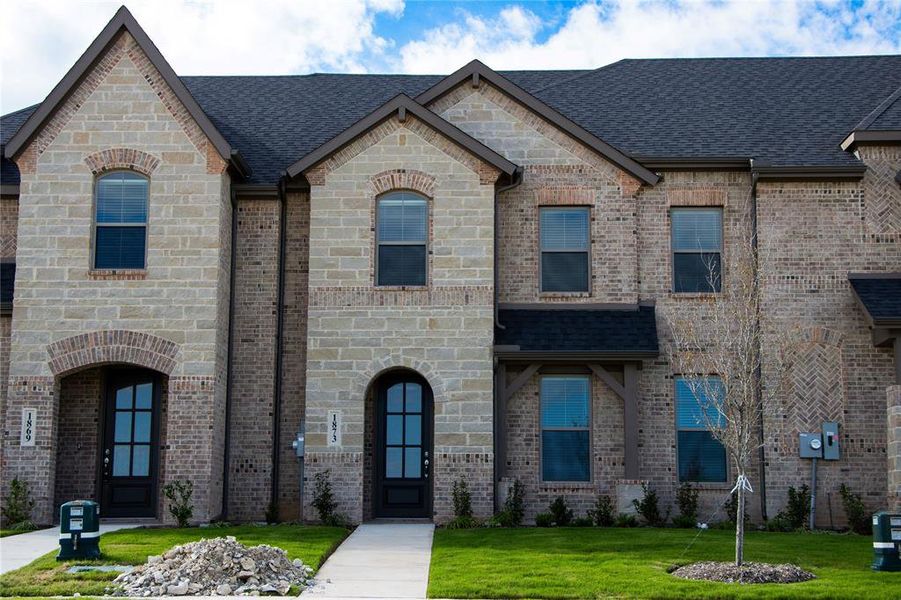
<point x="740" y="525"/>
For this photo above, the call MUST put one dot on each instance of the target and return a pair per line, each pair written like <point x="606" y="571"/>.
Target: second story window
<point x="120" y="220"/>
<point x="401" y="239"/>
<point x="697" y="239"/>
<point x="564" y="249"/>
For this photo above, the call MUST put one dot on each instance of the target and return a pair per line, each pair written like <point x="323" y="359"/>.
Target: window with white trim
<point x="120" y="221"/>
<point x="402" y="239"/>
<point x="565" y="428"/>
<point x="564" y="233"/>
<point x="701" y="456"/>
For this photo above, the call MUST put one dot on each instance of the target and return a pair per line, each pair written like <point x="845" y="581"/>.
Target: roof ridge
<point x="580" y="75"/>
<point x="880" y="108"/>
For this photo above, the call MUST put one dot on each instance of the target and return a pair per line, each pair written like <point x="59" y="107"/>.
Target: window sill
<point x="117" y="274"/>
<point x="696" y="295"/>
<point x="401" y="288"/>
<point x="712" y="486"/>
<point x="550" y="486"/>
<point x="552" y="295"/>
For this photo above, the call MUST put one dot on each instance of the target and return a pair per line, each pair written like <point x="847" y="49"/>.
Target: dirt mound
<point x="214" y="567"/>
<point x="749" y="572"/>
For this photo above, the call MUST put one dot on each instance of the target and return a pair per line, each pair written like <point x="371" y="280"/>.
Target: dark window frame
<point x="700" y="427"/>
<point x="589" y="428"/>
<point x="674" y="252"/>
<point x="586" y="250"/>
<point x="95" y="225"/>
<point x="426" y="243"/>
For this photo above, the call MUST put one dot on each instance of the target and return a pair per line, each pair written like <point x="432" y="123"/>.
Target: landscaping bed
<point x="573" y="562"/>
<point x="47" y="577"/>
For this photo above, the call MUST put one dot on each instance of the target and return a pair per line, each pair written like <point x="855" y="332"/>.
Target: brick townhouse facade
<point x="439" y="278"/>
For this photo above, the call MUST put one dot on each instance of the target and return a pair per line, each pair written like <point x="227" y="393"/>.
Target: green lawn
<point x="7" y="532"/>
<point x="633" y="563"/>
<point x="47" y="577"/>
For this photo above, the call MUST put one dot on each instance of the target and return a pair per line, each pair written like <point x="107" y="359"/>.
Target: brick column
<point x="893" y="447"/>
<point x="35" y="464"/>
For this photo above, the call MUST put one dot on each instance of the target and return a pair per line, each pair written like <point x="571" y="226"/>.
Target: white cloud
<point x="595" y="34"/>
<point x="41" y="40"/>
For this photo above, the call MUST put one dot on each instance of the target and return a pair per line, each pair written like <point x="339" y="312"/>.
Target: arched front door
<point x="403" y="482"/>
<point x="130" y="452"/>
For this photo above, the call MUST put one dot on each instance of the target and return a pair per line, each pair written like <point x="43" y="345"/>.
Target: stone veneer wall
<point x="122" y="104"/>
<point x="443" y="331"/>
<point x="9" y="216"/>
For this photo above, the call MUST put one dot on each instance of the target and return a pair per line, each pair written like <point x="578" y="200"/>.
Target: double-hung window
<point x="564" y="249"/>
<point x="120" y="221"/>
<point x="697" y="241"/>
<point x="565" y="431"/>
<point x="401" y="239"/>
<point x="701" y="456"/>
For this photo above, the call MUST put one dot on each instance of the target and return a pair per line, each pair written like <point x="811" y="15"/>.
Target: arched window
<point x="120" y="221"/>
<point x="401" y="239"/>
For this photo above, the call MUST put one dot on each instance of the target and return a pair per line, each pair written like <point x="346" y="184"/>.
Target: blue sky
<point x="40" y="40"/>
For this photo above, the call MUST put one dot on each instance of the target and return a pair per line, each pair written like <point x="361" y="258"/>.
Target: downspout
<point x="758" y="374"/>
<point x="496" y="432"/>
<point x="279" y="354"/>
<point x="228" y="360"/>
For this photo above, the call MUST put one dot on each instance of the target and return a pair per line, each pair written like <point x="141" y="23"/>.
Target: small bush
<point x="514" y="506"/>
<point x="687" y="501"/>
<point x="780" y="523"/>
<point x="797" y="511"/>
<point x="462" y="499"/>
<point x="272" y="513"/>
<point x="562" y="514"/>
<point x="324" y="501"/>
<point x="18" y="506"/>
<point x="583" y="522"/>
<point x="463" y="522"/>
<point x="625" y="520"/>
<point x="858" y="519"/>
<point x="731" y="506"/>
<point x="26" y="525"/>
<point x="179" y="494"/>
<point x="602" y="513"/>
<point x="544" y="520"/>
<point x="649" y="509"/>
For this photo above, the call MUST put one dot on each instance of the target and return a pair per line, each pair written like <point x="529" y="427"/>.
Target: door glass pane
<point x="142" y="427"/>
<point x="413" y="432"/>
<point x="123" y="397"/>
<point x="394" y="434"/>
<point x="412" y="463"/>
<point x="123" y="426"/>
<point x="140" y="466"/>
<point x="121" y="460"/>
<point x="144" y="396"/>
<point x="393" y="462"/>
<point x="396" y="398"/>
<point x="414" y="398"/>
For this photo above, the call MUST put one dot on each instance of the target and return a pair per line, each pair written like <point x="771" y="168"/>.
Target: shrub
<point x="798" y="509"/>
<point x="18" y="506"/>
<point x="179" y="494"/>
<point x="780" y="523"/>
<point x="514" y="506"/>
<point x="687" y="501"/>
<point x="272" y="513"/>
<point x="649" y="509"/>
<point x="602" y="513"/>
<point x="324" y="501"/>
<point x="583" y="522"/>
<point x="462" y="499"/>
<point x="731" y="506"/>
<point x="858" y="519"/>
<point x="625" y="520"/>
<point x="544" y="520"/>
<point x="463" y="522"/>
<point x="562" y="514"/>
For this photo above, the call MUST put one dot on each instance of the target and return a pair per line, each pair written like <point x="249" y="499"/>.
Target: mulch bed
<point x="749" y="572"/>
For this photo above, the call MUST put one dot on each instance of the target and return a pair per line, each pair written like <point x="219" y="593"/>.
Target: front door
<point x="131" y="445"/>
<point x="404" y="448"/>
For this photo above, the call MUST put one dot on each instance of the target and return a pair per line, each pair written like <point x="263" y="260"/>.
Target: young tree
<point x="721" y="335"/>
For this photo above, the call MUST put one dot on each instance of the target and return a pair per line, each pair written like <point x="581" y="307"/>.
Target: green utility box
<point x="886" y="541"/>
<point x="79" y="530"/>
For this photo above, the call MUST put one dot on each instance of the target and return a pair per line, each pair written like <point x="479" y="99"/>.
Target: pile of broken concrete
<point x="215" y="567"/>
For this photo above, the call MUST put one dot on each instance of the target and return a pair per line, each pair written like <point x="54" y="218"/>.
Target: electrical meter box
<point x="79" y="530"/>
<point x="811" y="445"/>
<point x="886" y="541"/>
<point x="830" y="441"/>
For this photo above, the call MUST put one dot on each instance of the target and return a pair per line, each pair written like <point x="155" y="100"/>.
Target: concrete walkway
<point x="378" y="560"/>
<point x="19" y="550"/>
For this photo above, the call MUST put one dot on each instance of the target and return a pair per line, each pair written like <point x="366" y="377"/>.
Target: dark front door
<point x="404" y="448"/>
<point x="130" y="451"/>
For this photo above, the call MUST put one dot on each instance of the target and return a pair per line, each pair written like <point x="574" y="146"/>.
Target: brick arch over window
<point x="112" y="346"/>
<point x="403" y="179"/>
<point x="121" y="158"/>
<point x="393" y="362"/>
<point x="816" y="382"/>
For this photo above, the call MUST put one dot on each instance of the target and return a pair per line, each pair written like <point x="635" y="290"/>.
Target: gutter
<point x="279" y="336"/>
<point x="226" y="465"/>
<point x="758" y="374"/>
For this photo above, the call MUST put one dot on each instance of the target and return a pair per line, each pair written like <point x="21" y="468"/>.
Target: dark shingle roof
<point x="9" y="124"/>
<point x="7" y="285"/>
<point x="880" y="296"/>
<point x="780" y="111"/>
<point x="613" y="332"/>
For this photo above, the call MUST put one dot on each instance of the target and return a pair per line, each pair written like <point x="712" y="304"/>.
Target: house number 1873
<point x="29" y="416"/>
